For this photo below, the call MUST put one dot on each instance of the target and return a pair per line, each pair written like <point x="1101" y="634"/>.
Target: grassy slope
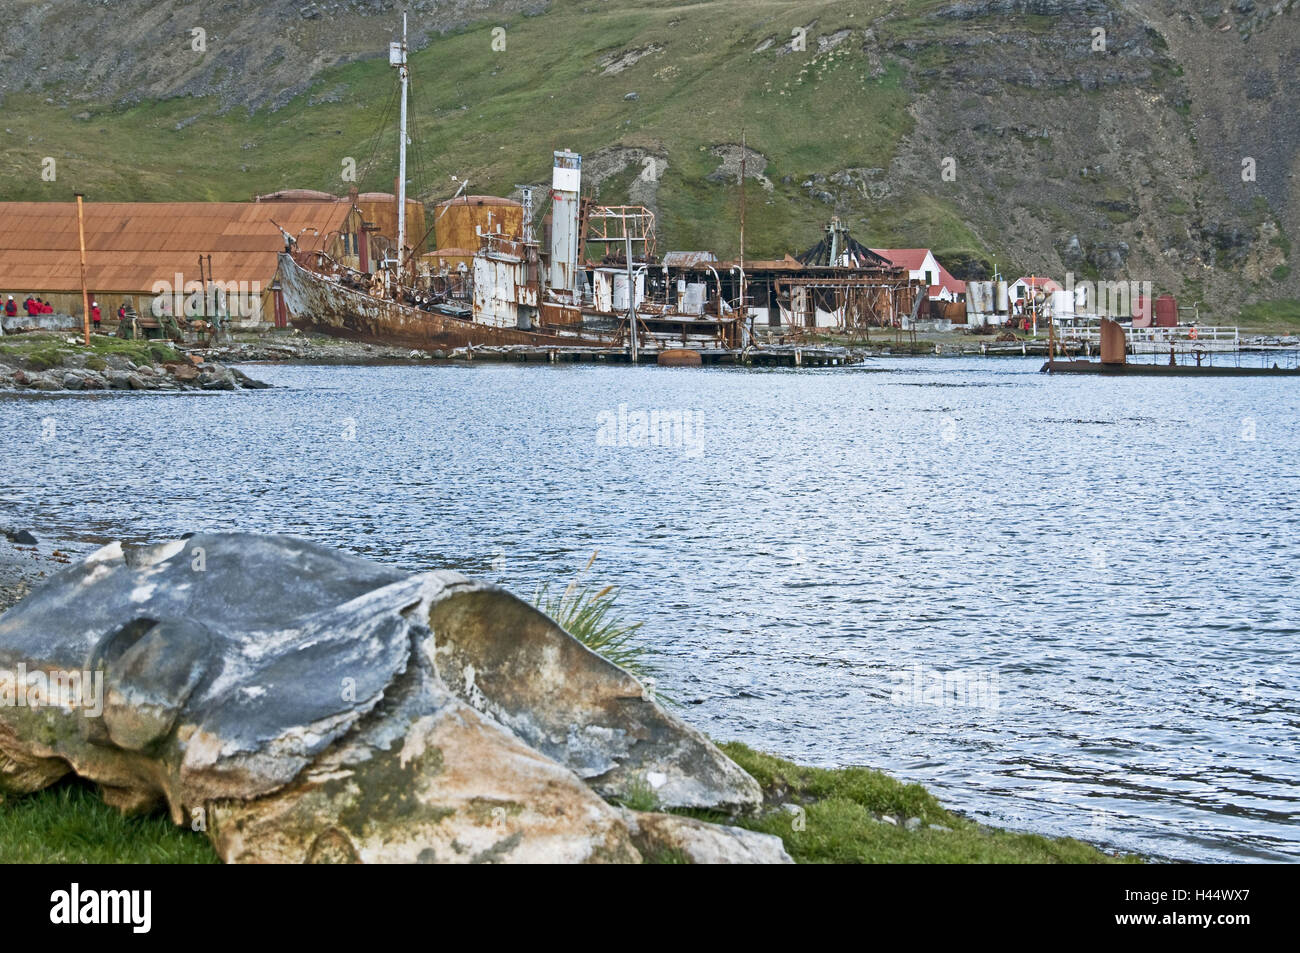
<point x="496" y="116"/>
<point x="1279" y="316"/>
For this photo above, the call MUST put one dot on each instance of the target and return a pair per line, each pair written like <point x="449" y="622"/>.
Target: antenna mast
<point x="397" y="57"/>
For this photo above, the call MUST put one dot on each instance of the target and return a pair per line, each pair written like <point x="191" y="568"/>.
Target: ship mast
<point x="397" y="57"/>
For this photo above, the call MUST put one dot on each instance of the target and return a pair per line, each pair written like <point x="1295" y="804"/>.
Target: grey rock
<point x="296" y="696"/>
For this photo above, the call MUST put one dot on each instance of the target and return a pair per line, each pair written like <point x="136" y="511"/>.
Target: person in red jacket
<point x="95" y="315"/>
<point x="30" y="306"/>
<point x="11" y="307"/>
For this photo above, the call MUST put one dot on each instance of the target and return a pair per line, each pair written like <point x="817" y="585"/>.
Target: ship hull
<point x="1163" y="370"/>
<point x="315" y="303"/>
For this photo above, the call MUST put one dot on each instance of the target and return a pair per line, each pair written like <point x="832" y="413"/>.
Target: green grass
<point x="1281" y="315"/>
<point x="43" y="350"/>
<point x="841" y="821"/>
<point x="583" y="610"/>
<point x="69" y="824"/>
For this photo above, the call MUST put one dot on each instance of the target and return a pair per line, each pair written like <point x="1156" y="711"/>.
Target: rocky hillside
<point x="1115" y="139"/>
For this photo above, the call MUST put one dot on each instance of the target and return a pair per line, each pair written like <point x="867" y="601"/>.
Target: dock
<point x="779" y="356"/>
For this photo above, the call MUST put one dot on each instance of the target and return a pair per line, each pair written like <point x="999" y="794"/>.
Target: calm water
<point x="1066" y="605"/>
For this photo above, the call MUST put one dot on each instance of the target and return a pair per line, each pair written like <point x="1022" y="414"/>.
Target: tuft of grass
<point x="859" y="816"/>
<point x="583" y="610"/>
<point x="69" y="824"/>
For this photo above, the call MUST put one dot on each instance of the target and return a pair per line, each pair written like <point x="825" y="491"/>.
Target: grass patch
<point x="69" y="824"/>
<point x="40" y="351"/>
<point x="1278" y="315"/>
<point x="841" y="820"/>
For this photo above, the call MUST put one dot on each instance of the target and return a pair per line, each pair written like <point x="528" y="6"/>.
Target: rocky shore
<point x="51" y="362"/>
<point x="26" y="560"/>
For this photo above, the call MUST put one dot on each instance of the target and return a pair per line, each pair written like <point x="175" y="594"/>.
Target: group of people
<point x="35" y="306"/>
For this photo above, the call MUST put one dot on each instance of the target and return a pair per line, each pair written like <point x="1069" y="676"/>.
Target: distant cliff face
<point x="1117" y="139"/>
<point x="1160" y="149"/>
<point x="133" y="50"/>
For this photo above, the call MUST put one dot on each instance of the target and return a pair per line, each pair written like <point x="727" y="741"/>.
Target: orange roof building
<point x="131" y="246"/>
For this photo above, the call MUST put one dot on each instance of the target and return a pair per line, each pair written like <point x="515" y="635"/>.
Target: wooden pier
<point x="779" y="356"/>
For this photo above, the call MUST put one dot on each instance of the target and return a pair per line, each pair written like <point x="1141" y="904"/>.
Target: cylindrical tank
<point x="457" y="221"/>
<point x="1166" y="311"/>
<point x="1002" y="301"/>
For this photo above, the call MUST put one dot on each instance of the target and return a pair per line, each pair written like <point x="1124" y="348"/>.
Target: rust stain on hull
<point x="318" y="304"/>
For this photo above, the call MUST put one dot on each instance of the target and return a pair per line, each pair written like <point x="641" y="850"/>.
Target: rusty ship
<point x="593" y="281"/>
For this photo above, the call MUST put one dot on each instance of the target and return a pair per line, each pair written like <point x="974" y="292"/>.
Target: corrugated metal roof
<point x="131" y="245"/>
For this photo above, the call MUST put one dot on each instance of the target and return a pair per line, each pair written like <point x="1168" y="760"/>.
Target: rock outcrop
<point x="299" y="704"/>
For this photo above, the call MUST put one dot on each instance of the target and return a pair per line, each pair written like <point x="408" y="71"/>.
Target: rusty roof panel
<point x="131" y="245"/>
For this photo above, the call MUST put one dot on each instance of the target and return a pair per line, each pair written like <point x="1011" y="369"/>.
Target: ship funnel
<point x="566" y="183"/>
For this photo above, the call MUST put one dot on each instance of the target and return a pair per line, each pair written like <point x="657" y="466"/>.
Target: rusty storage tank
<point x="380" y="209"/>
<point x="457" y="221"/>
<point x="1166" y="311"/>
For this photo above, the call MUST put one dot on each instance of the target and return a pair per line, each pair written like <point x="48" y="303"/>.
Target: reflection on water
<point x="1065" y="605"/>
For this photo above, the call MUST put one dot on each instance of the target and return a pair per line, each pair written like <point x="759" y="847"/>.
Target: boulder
<point x="675" y="838"/>
<point x="183" y="372"/>
<point x="217" y="378"/>
<point x="307" y="705"/>
<point x="512" y="662"/>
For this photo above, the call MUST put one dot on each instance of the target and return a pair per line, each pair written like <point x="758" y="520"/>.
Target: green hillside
<point x="495" y="116"/>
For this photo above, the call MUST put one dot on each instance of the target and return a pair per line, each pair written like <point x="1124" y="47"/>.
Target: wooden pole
<point x="85" y="295"/>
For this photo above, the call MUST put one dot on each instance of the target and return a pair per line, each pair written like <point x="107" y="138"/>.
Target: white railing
<point x="1183" y="334"/>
